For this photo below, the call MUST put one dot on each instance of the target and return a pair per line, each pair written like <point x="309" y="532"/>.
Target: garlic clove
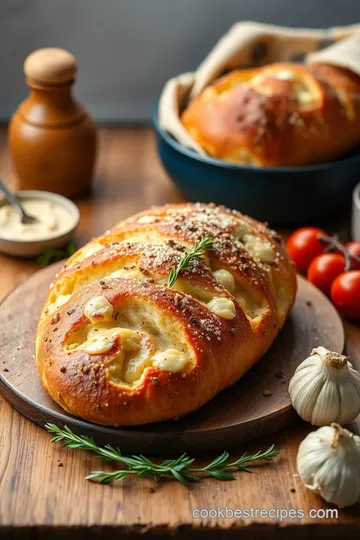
<point x="328" y="463"/>
<point x="304" y="389"/>
<point x="326" y="408"/>
<point x="349" y="403"/>
<point x="325" y="388"/>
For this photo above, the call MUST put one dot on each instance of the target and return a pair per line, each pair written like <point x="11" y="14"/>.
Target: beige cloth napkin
<point x="249" y="44"/>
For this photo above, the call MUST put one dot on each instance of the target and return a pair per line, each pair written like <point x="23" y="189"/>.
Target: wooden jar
<point x="52" y="138"/>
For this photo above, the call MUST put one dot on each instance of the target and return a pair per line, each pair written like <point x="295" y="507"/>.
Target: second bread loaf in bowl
<point x="117" y="346"/>
<point x="280" y="115"/>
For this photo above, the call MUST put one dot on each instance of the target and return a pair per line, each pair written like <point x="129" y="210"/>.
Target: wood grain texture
<point x="39" y="499"/>
<point x="239" y="413"/>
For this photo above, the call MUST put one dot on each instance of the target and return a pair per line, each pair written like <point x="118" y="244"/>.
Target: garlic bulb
<point x="325" y="388"/>
<point x="328" y="462"/>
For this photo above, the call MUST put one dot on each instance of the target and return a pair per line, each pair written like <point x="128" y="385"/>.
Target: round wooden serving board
<point x="258" y="404"/>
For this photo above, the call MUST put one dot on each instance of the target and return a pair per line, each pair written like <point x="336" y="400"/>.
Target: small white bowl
<point x="355" y="225"/>
<point x="31" y="248"/>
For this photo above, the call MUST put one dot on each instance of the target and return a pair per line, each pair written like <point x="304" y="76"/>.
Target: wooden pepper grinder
<point x="52" y="138"/>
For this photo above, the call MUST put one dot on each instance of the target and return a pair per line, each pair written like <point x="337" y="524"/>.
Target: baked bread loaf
<point x="278" y="115"/>
<point x="117" y="346"/>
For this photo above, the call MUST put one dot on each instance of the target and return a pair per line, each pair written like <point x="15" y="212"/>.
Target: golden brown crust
<point x="278" y="115"/>
<point x="218" y="350"/>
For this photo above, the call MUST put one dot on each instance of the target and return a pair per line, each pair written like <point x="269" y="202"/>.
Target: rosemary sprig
<point x="204" y="244"/>
<point x="220" y="468"/>
<point x="51" y="255"/>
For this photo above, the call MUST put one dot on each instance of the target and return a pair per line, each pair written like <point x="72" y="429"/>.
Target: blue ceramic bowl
<point x="277" y="195"/>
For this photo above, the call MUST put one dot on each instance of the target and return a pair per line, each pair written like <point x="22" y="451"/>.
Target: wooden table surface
<point x="43" y="493"/>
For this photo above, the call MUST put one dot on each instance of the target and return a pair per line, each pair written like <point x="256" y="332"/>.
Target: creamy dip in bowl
<point x="58" y="218"/>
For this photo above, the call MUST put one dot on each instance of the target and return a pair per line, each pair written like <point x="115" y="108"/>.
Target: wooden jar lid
<point x="50" y="66"/>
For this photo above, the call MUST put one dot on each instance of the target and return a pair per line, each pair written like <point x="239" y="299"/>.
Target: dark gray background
<point x="127" y="49"/>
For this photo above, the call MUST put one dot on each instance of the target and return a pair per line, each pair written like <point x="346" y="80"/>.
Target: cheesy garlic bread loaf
<point x="117" y="346"/>
<point x="279" y="115"/>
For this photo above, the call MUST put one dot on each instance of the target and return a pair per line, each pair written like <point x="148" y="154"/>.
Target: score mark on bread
<point x="125" y="338"/>
<point x="134" y="350"/>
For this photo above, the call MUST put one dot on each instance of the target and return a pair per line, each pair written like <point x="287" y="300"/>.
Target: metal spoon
<point x="25" y="218"/>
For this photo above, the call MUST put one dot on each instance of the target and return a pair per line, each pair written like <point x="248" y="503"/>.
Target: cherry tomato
<point x="345" y="293"/>
<point x="304" y="245"/>
<point x="324" y="269"/>
<point x="354" y="249"/>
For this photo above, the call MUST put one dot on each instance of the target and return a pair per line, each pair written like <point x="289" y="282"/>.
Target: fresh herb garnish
<point x="51" y="255"/>
<point x="204" y="244"/>
<point x="179" y="469"/>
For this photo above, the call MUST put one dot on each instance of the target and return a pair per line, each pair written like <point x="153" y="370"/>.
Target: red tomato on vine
<point x="304" y="245"/>
<point x="345" y="293"/>
<point x="324" y="269"/>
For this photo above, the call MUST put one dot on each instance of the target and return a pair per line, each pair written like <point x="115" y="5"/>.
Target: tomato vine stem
<point x="333" y="244"/>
